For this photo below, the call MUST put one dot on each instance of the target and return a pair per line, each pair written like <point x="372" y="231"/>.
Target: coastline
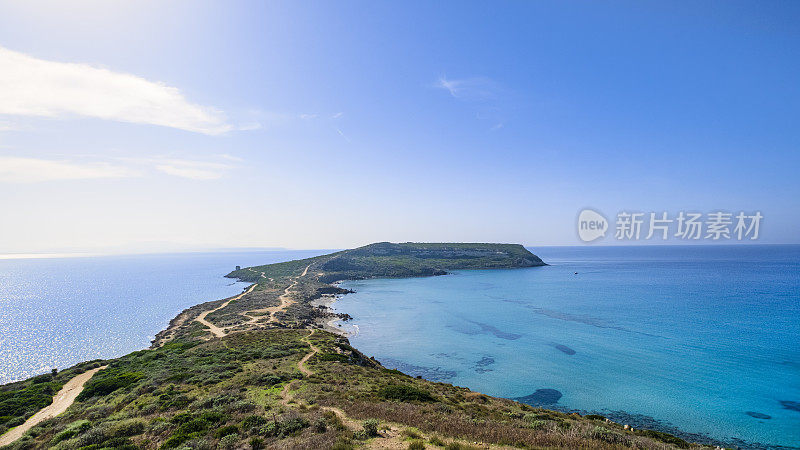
<point x="308" y="294"/>
<point x="634" y="420"/>
<point x="329" y="324"/>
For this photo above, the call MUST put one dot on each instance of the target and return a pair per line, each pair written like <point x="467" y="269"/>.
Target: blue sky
<point x="141" y="126"/>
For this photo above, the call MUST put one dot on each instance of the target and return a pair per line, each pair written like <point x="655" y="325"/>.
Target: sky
<point x="133" y="126"/>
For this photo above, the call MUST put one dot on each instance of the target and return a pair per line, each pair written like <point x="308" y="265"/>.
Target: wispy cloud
<point x="31" y="170"/>
<point x="35" y="87"/>
<point x="14" y="169"/>
<point x="343" y="135"/>
<point x="194" y="170"/>
<point x="474" y="88"/>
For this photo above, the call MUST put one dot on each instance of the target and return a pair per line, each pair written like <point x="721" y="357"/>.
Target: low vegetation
<point x="289" y="384"/>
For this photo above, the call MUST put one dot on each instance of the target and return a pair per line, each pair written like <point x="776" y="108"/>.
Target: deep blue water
<point x="58" y="312"/>
<point x="700" y="338"/>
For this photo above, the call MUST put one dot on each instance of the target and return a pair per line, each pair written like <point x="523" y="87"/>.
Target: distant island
<point x="265" y="369"/>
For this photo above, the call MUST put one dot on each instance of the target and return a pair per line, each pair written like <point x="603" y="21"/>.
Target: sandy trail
<point x="61" y="401"/>
<point x="287" y="397"/>
<point x="257" y="314"/>
<point x="389" y="437"/>
<point x="217" y="331"/>
<point x="301" y="365"/>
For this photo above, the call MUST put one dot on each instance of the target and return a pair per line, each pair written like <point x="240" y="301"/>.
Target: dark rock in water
<point x="485" y="361"/>
<point x="486" y="328"/>
<point x="335" y="290"/>
<point x="481" y="365"/>
<point x="790" y="405"/>
<point x="541" y="397"/>
<point x="758" y="415"/>
<point x="565" y="349"/>
<point x="428" y="373"/>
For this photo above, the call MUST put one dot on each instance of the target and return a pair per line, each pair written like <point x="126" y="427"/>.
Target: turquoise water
<point x="705" y="339"/>
<point x="58" y="312"/>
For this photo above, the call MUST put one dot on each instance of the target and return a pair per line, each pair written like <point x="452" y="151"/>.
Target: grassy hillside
<point x="388" y="260"/>
<point x="246" y="390"/>
<point x="264" y="370"/>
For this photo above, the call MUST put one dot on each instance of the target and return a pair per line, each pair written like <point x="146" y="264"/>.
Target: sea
<point x="702" y="341"/>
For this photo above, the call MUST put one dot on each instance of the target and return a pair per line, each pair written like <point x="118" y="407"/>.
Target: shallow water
<point x="706" y="339"/>
<point x="61" y="311"/>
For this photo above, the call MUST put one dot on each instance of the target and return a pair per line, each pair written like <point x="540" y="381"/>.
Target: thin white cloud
<point x="343" y="135"/>
<point x="8" y="126"/>
<point x="15" y="169"/>
<point x="468" y="88"/>
<point x="31" y="170"/>
<point x="35" y="87"/>
<point x="337" y="115"/>
<point x="249" y="126"/>
<point x="188" y="168"/>
<point x="230" y="157"/>
<point x="306" y="116"/>
<point x="194" y="170"/>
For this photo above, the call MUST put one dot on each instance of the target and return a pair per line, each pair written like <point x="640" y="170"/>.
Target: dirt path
<point x="301" y="365"/>
<point x="262" y="273"/>
<point x="257" y="314"/>
<point x="287" y="397"/>
<point x="388" y="438"/>
<point x="217" y="331"/>
<point x="391" y="434"/>
<point x="61" y="401"/>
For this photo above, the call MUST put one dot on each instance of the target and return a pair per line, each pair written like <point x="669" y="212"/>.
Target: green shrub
<point x="253" y="421"/>
<point x="370" y="427"/>
<point x="256" y="443"/>
<point x="663" y="437"/>
<point x="193" y="426"/>
<point x="332" y="357"/>
<point x="342" y="444"/>
<point x="213" y="416"/>
<point x="181" y="417"/>
<point x="292" y="425"/>
<point x="106" y="383"/>
<point x="411" y="433"/>
<point x="435" y="440"/>
<point x="229" y="441"/>
<point x="226" y="430"/>
<point x="127" y="427"/>
<point x="404" y="393"/>
<point x="72" y="430"/>
<point x="535" y="424"/>
<point x="18" y="405"/>
<point x="416" y="445"/>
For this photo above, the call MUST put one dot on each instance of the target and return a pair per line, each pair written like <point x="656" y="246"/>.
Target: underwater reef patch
<point x="486" y="328"/>
<point x="481" y="365"/>
<point x="428" y="373"/>
<point x="790" y="405"/>
<point x="545" y="396"/>
<point x="564" y="349"/>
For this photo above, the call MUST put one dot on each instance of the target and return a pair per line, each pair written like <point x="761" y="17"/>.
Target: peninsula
<point x="264" y="370"/>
